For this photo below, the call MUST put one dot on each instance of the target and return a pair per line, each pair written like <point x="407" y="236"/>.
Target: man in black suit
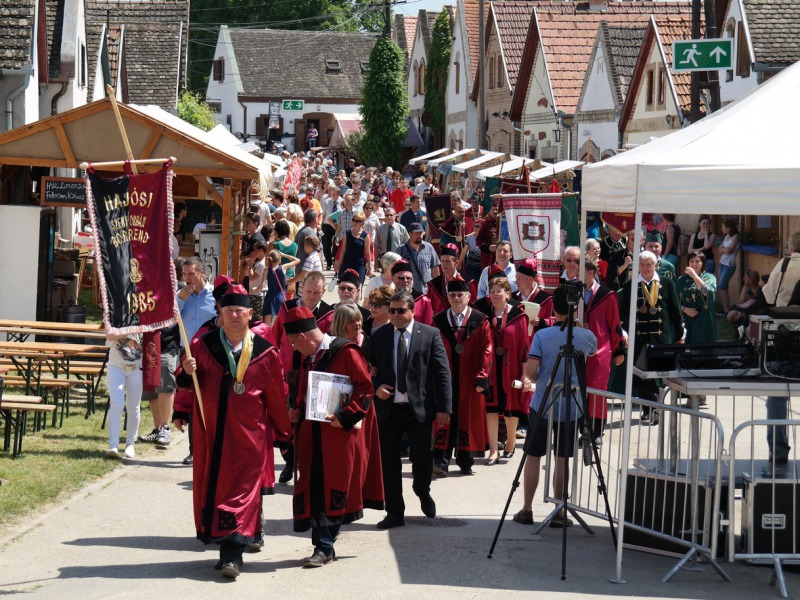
<point x="412" y="387"/>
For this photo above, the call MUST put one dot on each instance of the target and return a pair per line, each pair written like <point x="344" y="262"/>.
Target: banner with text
<point x="534" y="229"/>
<point x="132" y="221"/>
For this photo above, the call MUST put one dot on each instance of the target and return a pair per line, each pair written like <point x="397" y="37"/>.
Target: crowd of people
<point x="442" y="349"/>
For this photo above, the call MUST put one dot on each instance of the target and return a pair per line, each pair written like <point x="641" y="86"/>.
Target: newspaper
<point x="326" y="394"/>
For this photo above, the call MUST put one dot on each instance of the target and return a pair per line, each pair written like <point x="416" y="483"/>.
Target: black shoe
<point x="189" y="460"/>
<point x="256" y="545"/>
<point x="467" y="471"/>
<point x="230" y="570"/>
<point x="428" y="506"/>
<point x="287" y="474"/>
<point x="559" y="522"/>
<point x="318" y="559"/>
<point x="440" y="470"/>
<point x="390" y="521"/>
<point x="779" y="459"/>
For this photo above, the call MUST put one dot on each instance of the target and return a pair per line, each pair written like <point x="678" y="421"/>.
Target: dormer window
<point x="333" y="67"/>
<point x="364" y="66"/>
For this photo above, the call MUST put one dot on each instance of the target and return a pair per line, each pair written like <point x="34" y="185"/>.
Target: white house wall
<point x="646" y="123"/>
<point x="597" y="117"/>
<point x="73" y="39"/>
<point x="462" y="114"/>
<point x="598" y="94"/>
<point x="225" y="92"/>
<point x="738" y="86"/>
<point x="418" y="56"/>
<point x="537" y="118"/>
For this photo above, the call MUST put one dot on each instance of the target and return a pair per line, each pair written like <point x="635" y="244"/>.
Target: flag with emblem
<point x="534" y="229"/>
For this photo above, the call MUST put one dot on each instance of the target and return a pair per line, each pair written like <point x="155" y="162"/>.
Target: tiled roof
<point x="16" y="32"/>
<point x="425" y="22"/>
<point x="568" y="31"/>
<point x="404" y="29"/>
<point x="775" y="30"/>
<point x="512" y="20"/>
<point x="55" y="24"/>
<point x="622" y="45"/>
<point x="261" y="55"/>
<point x="114" y="39"/>
<point x="156" y="41"/>
<point x="471" y="18"/>
<point x="670" y="29"/>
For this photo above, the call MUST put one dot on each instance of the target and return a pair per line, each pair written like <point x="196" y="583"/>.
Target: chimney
<point x="598" y="5"/>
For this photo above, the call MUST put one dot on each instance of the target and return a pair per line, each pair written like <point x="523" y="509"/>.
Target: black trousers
<point x="420" y="436"/>
<point x="231" y="552"/>
<point x="327" y="243"/>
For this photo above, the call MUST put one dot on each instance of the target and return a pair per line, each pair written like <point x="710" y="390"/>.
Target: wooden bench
<point x="15" y="410"/>
<point x="43" y="386"/>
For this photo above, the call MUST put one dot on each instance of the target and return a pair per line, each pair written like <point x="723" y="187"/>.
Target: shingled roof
<point x="623" y="45"/>
<point x="471" y="18"/>
<point x="774" y="30"/>
<point x="156" y="41"/>
<point x="292" y="64"/>
<point x="404" y="28"/>
<point x="512" y="20"/>
<point x="16" y="32"/>
<point x="54" y="10"/>
<point x="568" y="31"/>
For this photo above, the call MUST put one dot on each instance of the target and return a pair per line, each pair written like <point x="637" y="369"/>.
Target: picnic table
<point x="15" y="411"/>
<point x="20" y="330"/>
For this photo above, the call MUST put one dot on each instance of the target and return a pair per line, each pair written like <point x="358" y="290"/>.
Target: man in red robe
<point x="456" y="229"/>
<point x="437" y="287"/>
<point x="468" y="343"/>
<point x="403" y="279"/>
<point x="601" y="317"/>
<point x="487" y="238"/>
<point x="243" y="410"/>
<point x="339" y="459"/>
<point x="528" y="290"/>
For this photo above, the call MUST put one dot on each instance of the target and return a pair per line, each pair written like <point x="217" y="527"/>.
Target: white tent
<point x="486" y="156"/>
<point x="450" y="157"/>
<point x="742" y="158"/>
<point x="514" y="163"/>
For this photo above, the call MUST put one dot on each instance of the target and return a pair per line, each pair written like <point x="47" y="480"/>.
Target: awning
<point x="475" y="162"/>
<point x="343" y="125"/>
<point x="438" y="152"/>
<point x="509" y="166"/>
<point x="551" y="170"/>
<point x="437" y="161"/>
<point x="413" y="139"/>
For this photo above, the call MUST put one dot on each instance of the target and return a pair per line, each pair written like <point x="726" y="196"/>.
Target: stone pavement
<point x="130" y="535"/>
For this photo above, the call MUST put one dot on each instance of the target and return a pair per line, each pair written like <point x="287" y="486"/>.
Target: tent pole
<point x="119" y="163"/>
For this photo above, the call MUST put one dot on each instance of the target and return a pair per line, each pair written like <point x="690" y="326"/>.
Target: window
<point x="742" y="52"/>
<point x="730" y="32"/>
<point x="491" y="72"/>
<point x="219" y="69"/>
<point x="499" y="71"/>
<point x="457" y="71"/>
<point x="662" y="87"/>
<point x="650" y="87"/>
<point x="415" y="85"/>
<point x="364" y="66"/>
<point x="82" y="74"/>
<point x="332" y="67"/>
<point x="422" y="77"/>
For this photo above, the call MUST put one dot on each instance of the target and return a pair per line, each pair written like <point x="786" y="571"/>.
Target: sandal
<point x="524" y="516"/>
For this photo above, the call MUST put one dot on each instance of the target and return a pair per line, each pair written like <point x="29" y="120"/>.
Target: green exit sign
<point x="294" y="104"/>
<point x="702" y="55"/>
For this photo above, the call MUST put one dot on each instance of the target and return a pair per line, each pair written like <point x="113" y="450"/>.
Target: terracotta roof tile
<point x="670" y="29"/>
<point x="16" y="32"/>
<point x="471" y="13"/>
<point x="775" y="30"/>
<point x="404" y="29"/>
<point x="512" y="20"/>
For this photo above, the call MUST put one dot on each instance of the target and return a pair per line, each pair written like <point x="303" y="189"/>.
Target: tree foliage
<point x="384" y="105"/>
<point x="436" y="75"/>
<point x="206" y="16"/>
<point x="353" y="145"/>
<point x="193" y="109"/>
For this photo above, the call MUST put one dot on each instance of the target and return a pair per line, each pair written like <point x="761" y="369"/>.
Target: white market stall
<point x="741" y="159"/>
<point x="515" y="163"/>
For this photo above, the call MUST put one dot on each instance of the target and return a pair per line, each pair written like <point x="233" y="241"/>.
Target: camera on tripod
<point x="574" y="292"/>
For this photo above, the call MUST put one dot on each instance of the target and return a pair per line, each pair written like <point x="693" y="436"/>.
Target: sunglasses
<point x="377" y="304"/>
<point x="398" y="311"/>
<point x="347" y="288"/>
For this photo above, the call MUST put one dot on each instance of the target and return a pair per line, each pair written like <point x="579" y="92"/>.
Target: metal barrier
<point x="767" y="524"/>
<point x="664" y="485"/>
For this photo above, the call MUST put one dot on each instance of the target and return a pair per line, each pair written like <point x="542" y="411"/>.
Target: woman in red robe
<point x="509" y="326"/>
<point x="469" y="353"/>
<point x="601" y="316"/>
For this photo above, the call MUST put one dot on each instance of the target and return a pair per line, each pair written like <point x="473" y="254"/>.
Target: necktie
<point x="389" y="240"/>
<point x="402" y="362"/>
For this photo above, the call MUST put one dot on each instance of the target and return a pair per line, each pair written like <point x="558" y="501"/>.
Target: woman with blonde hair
<point x="356" y="250"/>
<point x="347" y="323"/>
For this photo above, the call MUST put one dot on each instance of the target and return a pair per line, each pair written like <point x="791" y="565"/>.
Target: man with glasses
<point x="391" y="235"/>
<point x="572" y="264"/>
<point x="349" y="289"/>
<point x="412" y="388"/>
<point x="403" y="279"/>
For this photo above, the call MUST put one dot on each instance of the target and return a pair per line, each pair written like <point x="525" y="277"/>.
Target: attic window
<point x="332" y="66"/>
<point x="364" y="66"/>
<point x="219" y="69"/>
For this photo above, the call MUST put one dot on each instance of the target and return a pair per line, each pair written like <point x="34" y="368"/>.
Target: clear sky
<point x="412" y="7"/>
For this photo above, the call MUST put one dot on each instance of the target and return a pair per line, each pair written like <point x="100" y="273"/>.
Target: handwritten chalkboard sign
<point x="63" y="191"/>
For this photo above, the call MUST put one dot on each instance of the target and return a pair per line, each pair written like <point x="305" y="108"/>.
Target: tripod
<point x="571" y="359"/>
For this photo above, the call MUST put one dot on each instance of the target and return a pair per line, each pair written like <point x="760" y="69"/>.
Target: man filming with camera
<point x="544" y="351"/>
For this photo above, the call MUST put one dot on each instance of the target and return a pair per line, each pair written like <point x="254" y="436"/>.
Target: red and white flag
<point x="534" y="229"/>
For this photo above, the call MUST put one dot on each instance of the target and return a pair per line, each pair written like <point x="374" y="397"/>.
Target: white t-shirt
<point x="257" y="279"/>
<point x="313" y="262"/>
<point x="375" y="283"/>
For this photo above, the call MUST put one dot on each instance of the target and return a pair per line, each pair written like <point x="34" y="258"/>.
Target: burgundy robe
<point x="486" y="236"/>
<point x="339" y="468"/>
<point x="324" y="315"/>
<point x="423" y="309"/>
<point x="437" y="293"/>
<point x="467" y="431"/>
<point x="602" y="319"/>
<point x="510" y="366"/>
<point x="545" y="301"/>
<point x="233" y="447"/>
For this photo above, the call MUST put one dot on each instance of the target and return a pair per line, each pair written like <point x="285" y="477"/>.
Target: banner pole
<point x="128" y="152"/>
<point x="194" y="373"/>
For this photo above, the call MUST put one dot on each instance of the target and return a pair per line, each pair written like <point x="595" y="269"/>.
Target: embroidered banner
<point x="438" y="209"/>
<point x="534" y="229"/>
<point x="625" y="222"/>
<point x="291" y="182"/>
<point x="132" y="221"/>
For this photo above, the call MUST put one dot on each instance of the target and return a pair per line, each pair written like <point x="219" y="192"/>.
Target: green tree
<point x="384" y="105"/>
<point x="193" y="109"/>
<point x="206" y="16"/>
<point x="436" y="76"/>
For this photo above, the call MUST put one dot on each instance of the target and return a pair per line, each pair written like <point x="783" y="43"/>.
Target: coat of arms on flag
<point x="534" y="229"/>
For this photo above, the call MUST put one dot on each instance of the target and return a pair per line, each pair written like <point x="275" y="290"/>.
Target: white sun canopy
<point x="549" y="170"/>
<point x="509" y="166"/>
<point x="741" y="159"/>
<point x="437" y="161"/>
<point x="425" y="157"/>
<point x="477" y="161"/>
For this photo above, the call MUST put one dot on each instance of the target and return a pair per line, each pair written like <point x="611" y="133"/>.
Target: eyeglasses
<point x="347" y="288"/>
<point x="377" y="304"/>
<point x="398" y="311"/>
<point x="575" y="261"/>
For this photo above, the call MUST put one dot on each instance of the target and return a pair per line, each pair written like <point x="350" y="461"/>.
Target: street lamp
<point x="557" y="135"/>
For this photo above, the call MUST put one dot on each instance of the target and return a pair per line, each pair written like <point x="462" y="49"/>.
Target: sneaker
<point x="151" y="437"/>
<point x="112" y="453"/>
<point x="164" y="437"/>
<point x="230" y="570"/>
<point x="129" y="451"/>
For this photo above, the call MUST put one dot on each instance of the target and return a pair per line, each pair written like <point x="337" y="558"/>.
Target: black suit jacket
<point x="428" y="380"/>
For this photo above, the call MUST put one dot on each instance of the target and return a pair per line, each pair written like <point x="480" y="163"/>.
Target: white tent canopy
<point x="485" y="157"/>
<point x="437" y="161"/>
<point x="741" y="159"/>
<point x="514" y="163"/>
<point x="425" y="157"/>
<point x="549" y="170"/>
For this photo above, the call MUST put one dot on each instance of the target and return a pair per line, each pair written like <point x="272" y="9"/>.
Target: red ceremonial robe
<point x="232" y="448"/>
<point x="485" y="237"/>
<point x="437" y="293"/>
<point x="508" y="367"/>
<point x="339" y="468"/>
<point x="423" y="308"/>
<point x="323" y="314"/>
<point x="467" y="431"/>
<point x="545" y="301"/>
<point x="602" y="319"/>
